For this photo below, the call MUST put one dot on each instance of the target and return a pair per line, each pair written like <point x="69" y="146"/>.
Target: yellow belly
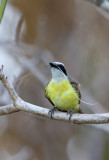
<point x="62" y="95"/>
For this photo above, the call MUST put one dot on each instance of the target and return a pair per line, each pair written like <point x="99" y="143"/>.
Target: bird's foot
<point x="51" y="111"/>
<point x="70" y="113"/>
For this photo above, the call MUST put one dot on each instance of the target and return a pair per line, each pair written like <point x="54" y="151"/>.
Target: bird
<point x="63" y="93"/>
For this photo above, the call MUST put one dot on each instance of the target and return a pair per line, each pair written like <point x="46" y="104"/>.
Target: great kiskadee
<point x="61" y="92"/>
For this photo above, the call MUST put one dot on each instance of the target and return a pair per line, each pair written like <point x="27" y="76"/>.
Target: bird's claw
<point x="51" y="112"/>
<point x="70" y="113"/>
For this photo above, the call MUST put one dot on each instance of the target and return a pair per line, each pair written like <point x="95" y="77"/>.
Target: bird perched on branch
<point x="61" y="92"/>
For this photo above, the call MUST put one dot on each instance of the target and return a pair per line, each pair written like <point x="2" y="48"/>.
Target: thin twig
<point x="20" y="105"/>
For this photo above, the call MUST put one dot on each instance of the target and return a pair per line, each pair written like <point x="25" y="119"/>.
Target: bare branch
<point x="8" y="109"/>
<point x="20" y="105"/>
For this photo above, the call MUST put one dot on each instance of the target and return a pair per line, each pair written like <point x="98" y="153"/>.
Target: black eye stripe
<point x="62" y="68"/>
<point x="59" y="66"/>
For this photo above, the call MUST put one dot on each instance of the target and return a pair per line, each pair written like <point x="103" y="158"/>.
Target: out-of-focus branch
<point x="18" y="29"/>
<point x="101" y="3"/>
<point x="102" y="7"/>
<point x="20" y="105"/>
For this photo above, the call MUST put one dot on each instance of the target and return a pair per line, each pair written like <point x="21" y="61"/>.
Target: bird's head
<point x="58" y="71"/>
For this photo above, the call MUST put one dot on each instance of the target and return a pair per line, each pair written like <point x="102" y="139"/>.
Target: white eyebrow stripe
<point x="59" y="63"/>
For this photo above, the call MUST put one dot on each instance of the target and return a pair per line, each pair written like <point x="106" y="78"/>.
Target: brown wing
<point x="80" y="111"/>
<point x="75" y="85"/>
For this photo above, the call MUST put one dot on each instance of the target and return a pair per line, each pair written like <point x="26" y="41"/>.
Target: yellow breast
<point x="62" y="95"/>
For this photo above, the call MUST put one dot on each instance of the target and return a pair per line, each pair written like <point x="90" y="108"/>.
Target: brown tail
<point x="80" y="111"/>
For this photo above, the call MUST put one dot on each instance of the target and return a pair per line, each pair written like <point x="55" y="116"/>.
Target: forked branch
<point x="20" y="105"/>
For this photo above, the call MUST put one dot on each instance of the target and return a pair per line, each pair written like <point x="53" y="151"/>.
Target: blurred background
<point x="33" y="33"/>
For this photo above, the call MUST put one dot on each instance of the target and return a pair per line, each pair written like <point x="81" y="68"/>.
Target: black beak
<point x="52" y="64"/>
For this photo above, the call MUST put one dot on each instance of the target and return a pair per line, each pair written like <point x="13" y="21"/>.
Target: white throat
<point x="57" y="75"/>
